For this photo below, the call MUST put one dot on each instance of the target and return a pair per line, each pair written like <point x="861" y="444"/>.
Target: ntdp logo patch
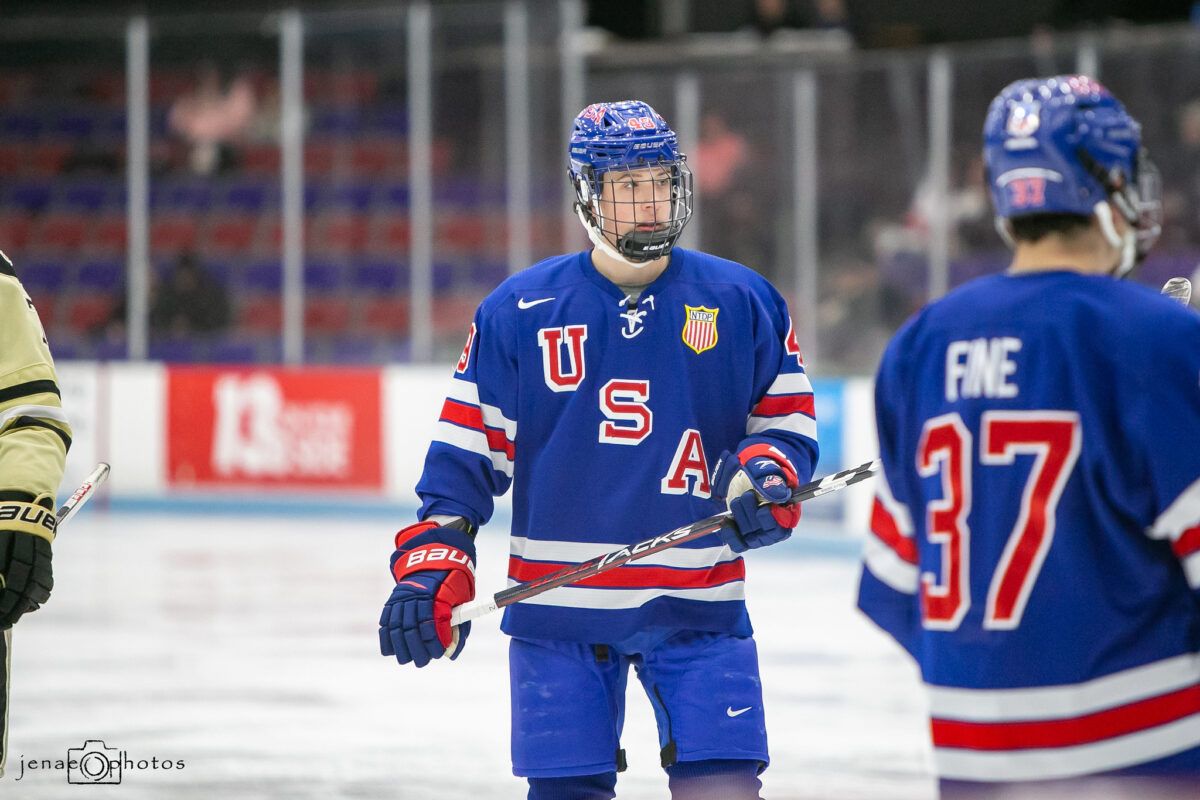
<point x="700" y="328"/>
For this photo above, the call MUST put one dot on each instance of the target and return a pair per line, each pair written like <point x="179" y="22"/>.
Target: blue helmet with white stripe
<point x="1066" y="145"/>
<point x="631" y="138"/>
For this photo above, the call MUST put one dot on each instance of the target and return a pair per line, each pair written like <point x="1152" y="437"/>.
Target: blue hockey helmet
<point x="630" y="137"/>
<point x="1066" y="145"/>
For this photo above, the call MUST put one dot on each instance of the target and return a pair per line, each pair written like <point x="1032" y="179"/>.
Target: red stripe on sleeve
<point x="1107" y="724"/>
<point x="472" y="417"/>
<point x="462" y="414"/>
<point x="778" y="405"/>
<point x="634" y="577"/>
<point x="499" y="442"/>
<point x="883" y="525"/>
<point x="1187" y="543"/>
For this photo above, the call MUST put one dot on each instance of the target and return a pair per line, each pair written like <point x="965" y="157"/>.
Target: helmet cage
<point x="646" y="236"/>
<point x="1138" y="198"/>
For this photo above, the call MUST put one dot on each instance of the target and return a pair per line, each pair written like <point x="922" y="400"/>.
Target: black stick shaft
<point x="617" y="558"/>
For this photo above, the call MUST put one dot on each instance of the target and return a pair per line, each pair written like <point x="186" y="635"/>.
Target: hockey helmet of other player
<point x="1066" y="145"/>
<point x="628" y="135"/>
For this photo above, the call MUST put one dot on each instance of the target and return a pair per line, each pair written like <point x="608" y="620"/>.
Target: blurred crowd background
<point x="835" y="145"/>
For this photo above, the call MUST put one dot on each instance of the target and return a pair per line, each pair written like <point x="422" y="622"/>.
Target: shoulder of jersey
<point x="542" y="279"/>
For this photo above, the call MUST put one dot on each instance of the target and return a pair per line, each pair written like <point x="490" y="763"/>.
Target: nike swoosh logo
<point x="730" y="712"/>
<point x="524" y="304"/>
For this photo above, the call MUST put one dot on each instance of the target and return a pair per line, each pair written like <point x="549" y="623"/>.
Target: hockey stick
<point x="617" y="558"/>
<point x="68" y="510"/>
<point x="1178" y="289"/>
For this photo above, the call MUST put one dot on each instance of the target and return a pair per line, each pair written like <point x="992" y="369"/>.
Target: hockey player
<point x="34" y="438"/>
<point x="1036" y="542"/>
<point x="600" y="385"/>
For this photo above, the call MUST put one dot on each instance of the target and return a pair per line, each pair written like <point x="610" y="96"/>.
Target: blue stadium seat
<point x="395" y="196"/>
<point x="73" y="125"/>
<point x="43" y="276"/>
<point x="234" y="351"/>
<point x="250" y="197"/>
<point x="393" y="121"/>
<point x="88" y="196"/>
<point x="188" y="196"/>
<point x="353" y="196"/>
<point x="322" y="276"/>
<point x="376" y="276"/>
<point x="174" y="350"/>
<point x="353" y="350"/>
<point x="103" y="275"/>
<point x="263" y="276"/>
<point x="21" y="126"/>
<point x="338" y="123"/>
<point x="31" y="196"/>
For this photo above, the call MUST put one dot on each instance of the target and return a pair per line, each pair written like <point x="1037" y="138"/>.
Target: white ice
<point x="246" y="647"/>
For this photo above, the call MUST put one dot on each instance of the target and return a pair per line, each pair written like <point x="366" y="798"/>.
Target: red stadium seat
<point x="323" y="315"/>
<point x="15" y="230"/>
<point x="109" y="236"/>
<point x="62" y="231"/>
<point x="262" y="315"/>
<point x="232" y="234"/>
<point x="173" y="234"/>
<point x="392" y="235"/>
<point x="377" y="157"/>
<point x="45" y="305"/>
<point x="48" y="159"/>
<point x="387" y="316"/>
<point x="342" y="233"/>
<point x="88" y="312"/>
<point x="461" y="232"/>
<point x="260" y="159"/>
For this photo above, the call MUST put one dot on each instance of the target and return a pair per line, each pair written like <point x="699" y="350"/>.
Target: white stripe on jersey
<point x="611" y="599"/>
<point x="1066" y="762"/>
<point x="465" y="391"/>
<point x="794" y="423"/>
<point x="39" y="412"/>
<point x="887" y="565"/>
<point x="579" y="552"/>
<point x="791" y="383"/>
<point x="1181" y="515"/>
<point x="1191" y="568"/>
<point x="472" y="441"/>
<point x="1065" y="701"/>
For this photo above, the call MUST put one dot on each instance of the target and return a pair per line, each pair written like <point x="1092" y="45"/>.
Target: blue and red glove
<point x="758" y="473"/>
<point x="434" y="568"/>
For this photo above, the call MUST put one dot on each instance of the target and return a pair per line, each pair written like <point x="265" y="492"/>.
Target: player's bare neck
<point x="1088" y="253"/>
<point x="625" y="275"/>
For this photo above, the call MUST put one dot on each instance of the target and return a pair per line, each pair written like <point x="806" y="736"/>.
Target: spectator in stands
<point x="210" y="117"/>
<point x="189" y="302"/>
<point x="719" y="154"/>
<point x="1188" y="205"/>
<point x="769" y="16"/>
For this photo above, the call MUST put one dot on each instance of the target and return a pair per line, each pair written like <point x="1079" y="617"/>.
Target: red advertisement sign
<point x="310" y="428"/>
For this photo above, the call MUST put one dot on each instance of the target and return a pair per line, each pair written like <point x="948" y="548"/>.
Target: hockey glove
<point x="758" y="474"/>
<point x="26" y="576"/>
<point x="434" y="569"/>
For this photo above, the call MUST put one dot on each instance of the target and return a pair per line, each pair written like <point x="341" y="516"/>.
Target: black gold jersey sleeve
<point x="34" y="432"/>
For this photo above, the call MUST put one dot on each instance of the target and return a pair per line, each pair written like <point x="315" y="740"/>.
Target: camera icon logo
<point x="93" y="762"/>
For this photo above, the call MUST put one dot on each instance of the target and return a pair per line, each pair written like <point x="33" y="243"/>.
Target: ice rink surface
<point x="246" y="647"/>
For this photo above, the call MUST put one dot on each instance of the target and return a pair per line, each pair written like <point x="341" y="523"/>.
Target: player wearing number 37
<point x="602" y="386"/>
<point x="1036" y="541"/>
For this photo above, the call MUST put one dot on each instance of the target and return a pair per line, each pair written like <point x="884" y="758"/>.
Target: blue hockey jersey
<point x="1036" y="541"/>
<point x="606" y="417"/>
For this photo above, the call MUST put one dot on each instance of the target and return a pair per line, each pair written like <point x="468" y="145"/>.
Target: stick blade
<point x="1179" y="289"/>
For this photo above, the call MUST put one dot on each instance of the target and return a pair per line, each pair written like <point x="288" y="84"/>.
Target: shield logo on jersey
<point x="700" y="327"/>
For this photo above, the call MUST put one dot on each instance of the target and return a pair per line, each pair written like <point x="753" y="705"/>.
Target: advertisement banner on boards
<point x="319" y="428"/>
